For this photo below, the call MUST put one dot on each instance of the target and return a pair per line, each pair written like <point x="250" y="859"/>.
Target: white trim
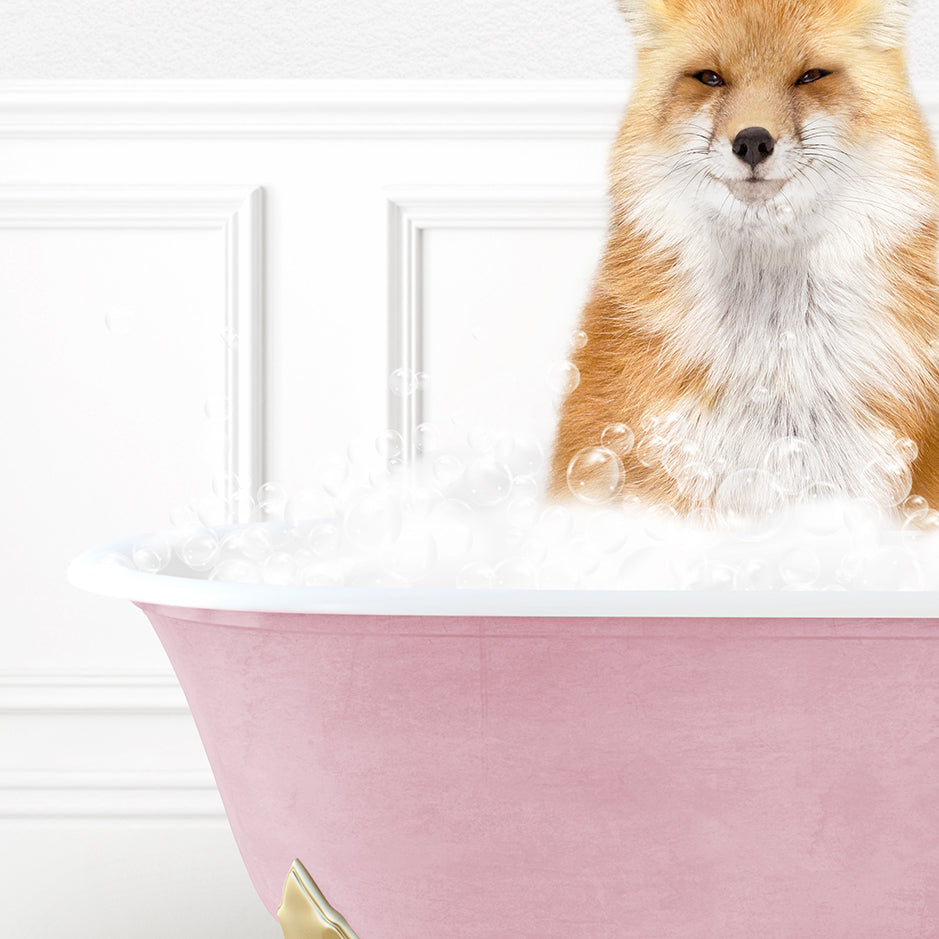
<point x="237" y="212"/>
<point x="57" y="794"/>
<point x="169" y="797"/>
<point x="412" y="212"/>
<point x="311" y="109"/>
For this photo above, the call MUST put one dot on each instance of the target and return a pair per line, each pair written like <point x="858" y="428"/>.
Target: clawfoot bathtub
<point x="544" y="765"/>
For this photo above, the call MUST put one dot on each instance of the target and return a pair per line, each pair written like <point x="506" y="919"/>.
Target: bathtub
<point x="544" y="765"/>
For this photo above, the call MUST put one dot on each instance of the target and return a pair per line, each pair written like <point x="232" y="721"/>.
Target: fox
<point x="764" y="318"/>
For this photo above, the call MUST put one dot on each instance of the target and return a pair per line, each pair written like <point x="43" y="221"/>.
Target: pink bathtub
<point x="538" y="765"/>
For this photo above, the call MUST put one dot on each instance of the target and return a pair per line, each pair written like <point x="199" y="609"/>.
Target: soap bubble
<point x="556" y="524"/>
<point x="677" y="457"/>
<point x="756" y="574"/>
<point x="254" y="542"/>
<point x="271" y="501"/>
<point x="390" y="445"/>
<point x="488" y="481"/>
<point x="564" y="378"/>
<point x="427" y="439"/>
<point x="915" y="508"/>
<point x="373" y="520"/>
<point x="199" y="549"/>
<point x="331" y="474"/>
<point x="578" y="339"/>
<point x="523" y="457"/>
<point x="152" y="553"/>
<point x="324" y="539"/>
<point x="747" y="501"/>
<point x="185" y="516"/>
<point x="696" y="482"/>
<point x="906" y="449"/>
<point x="795" y="463"/>
<point x="120" y="322"/>
<point x="403" y="382"/>
<point x="618" y="438"/>
<point x="888" y="481"/>
<point x="651" y="449"/>
<point x="595" y="475"/>
<point x="211" y="511"/>
<point x="760" y="395"/>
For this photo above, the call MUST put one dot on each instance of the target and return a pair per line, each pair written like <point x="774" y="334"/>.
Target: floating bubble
<point x="200" y="549"/>
<point x="447" y="470"/>
<point x="185" y="516"/>
<point x="211" y="511"/>
<point x="915" y="508"/>
<point x="696" y="482"/>
<point x="403" y="382"/>
<point x="152" y="553"/>
<point x="579" y="339"/>
<point x="747" y="501"/>
<point x="760" y="395"/>
<point x="651" y="449"/>
<point x="595" y="475"/>
<point x="618" y="438"/>
<point x="390" y="445"/>
<point x="522" y="456"/>
<point x="427" y="438"/>
<point x="906" y="449"/>
<point x="254" y="542"/>
<point x="271" y="501"/>
<point x="564" y="378"/>
<point x="488" y="481"/>
<point x="120" y="322"/>
<point x="677" y="457"/>
<point x="888" y="481"/>
<point x="324" y="539"/>
<point x="795" y="463"/>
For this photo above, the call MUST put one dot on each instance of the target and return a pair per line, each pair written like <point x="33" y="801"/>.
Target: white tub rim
<point x="96" y="571"/>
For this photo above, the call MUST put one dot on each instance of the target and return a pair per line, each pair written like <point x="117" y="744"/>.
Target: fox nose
<point x="753" y="145"/>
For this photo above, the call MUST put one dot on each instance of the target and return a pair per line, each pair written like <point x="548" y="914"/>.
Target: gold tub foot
<point x="304" y="912"/>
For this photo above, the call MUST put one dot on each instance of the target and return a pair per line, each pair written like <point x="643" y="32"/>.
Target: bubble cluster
<point x="462" y="506"/>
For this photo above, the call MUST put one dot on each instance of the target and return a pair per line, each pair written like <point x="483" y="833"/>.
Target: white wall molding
<point x="299" y="109"/>
<point x="89" y="706"/>
<point x="412" y="212"/>
<point x="236" y="211"/>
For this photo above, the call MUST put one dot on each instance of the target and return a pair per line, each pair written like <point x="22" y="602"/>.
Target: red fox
<point x="767" y="306"/>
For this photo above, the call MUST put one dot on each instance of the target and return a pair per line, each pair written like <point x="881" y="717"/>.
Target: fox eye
<point x="707" y="77"/>
<point x="812" y="75"/>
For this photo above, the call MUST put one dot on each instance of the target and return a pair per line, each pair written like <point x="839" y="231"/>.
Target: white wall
<point x="380" y="39"/>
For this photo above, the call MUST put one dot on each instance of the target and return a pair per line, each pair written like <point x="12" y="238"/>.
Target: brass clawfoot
<point x="304" y="912"/>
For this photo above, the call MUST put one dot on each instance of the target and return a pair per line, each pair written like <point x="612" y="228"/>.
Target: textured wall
<point x="404" y="39"/>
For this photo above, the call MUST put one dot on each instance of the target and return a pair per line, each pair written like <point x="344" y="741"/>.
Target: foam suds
<point x="471" y="514"/>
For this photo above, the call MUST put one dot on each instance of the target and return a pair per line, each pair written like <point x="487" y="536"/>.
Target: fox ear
<point x="641" y="17"/>
<point x="889" y="22"/>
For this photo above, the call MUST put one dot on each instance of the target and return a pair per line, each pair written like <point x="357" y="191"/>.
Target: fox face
<point x="769" y="117"/>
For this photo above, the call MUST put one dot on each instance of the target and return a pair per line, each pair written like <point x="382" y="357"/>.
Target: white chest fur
<point x="795" y="342"/>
